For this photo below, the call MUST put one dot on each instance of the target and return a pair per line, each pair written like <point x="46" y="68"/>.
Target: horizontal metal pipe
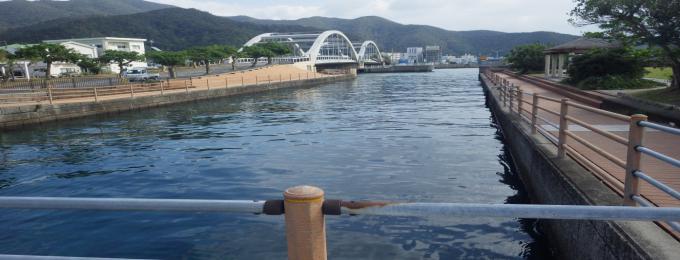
<point x="658" y="155"/>
<point x="234" y="206"/>
<point x="38" y="257"/>
<point x="643" y="202"/>
<point x="665" y="188"/>
<point x="581" y="212"/>
<point x="659" y="127"/>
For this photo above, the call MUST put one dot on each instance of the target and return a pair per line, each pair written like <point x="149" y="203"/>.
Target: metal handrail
<point x="659" y="185"/>
<point x="659" y="127"/>
<point x="645" y="203"/>
<point x="580" y="212"/>
<point x="658" y="155"/>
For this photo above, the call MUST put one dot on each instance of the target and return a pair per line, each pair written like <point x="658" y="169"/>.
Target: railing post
<point x="534" y="113"/>
<point x="132" y="91"/>
<point x="562" y="137"/>
<point x="511" y="97"/>
<point x="207" y="83"/>
<point x="505" y="95"/>
<point x="96" y="98"/>
<point x="162" y="88"/>
<point x="290" y="77"/>
<point x="186" y="86"/>
<point x="305" y="227"/>
<point x="520" y="100"/>
<point x="242" y="84"/>
<point x="226" y="82"/>
<point x="635" y="135"/>
<point x="49" y="92"/>
<point x="256" y="80"/>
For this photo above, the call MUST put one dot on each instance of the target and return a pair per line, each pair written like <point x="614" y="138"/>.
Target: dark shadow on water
<point x="539" y="247"/>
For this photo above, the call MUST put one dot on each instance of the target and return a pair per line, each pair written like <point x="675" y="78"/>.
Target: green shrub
<point x="610" y="82"/>
<point x="526" y="58"/>
<point x="606" y="62"/>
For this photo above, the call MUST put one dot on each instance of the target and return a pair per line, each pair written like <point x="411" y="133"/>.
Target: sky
<point x="459" y="15"/>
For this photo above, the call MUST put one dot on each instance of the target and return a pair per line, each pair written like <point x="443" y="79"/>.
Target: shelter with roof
<point x="557" y="58"/>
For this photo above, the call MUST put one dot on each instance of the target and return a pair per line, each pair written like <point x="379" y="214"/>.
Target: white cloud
<point x="500" y="15"/>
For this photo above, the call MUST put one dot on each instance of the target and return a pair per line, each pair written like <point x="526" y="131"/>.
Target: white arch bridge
<point x="326" y="49"/>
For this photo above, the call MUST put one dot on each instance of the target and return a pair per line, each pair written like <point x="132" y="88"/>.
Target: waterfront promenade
<point x="610" y="170"/>
<point x="257" y="76"/>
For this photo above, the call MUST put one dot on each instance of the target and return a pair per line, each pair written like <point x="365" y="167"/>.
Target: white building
<point x="111" y="43"/>
<point x="39" y="69"/>
<point x="464" y="59"/>
<point x="414" y="54"/>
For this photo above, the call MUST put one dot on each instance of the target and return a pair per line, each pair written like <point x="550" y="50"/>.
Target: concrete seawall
<point x="24" y="115"/>
<point x="550" y="180"/>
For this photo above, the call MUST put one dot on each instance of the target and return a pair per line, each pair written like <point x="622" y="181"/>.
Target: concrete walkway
<point x="659" y="141"/>
<point x="256" y="76"/>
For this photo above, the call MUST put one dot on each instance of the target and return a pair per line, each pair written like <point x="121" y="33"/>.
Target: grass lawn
<point x="659" y="73"/>
<point x="666" y="95"/>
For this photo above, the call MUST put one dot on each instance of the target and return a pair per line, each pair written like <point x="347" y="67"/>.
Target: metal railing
<point x="304" y="208"/>
<point x="514" y="98"/>
<point x="50" y="93"/>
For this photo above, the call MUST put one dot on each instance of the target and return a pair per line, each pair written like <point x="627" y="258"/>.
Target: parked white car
<point x="140" y="74"/>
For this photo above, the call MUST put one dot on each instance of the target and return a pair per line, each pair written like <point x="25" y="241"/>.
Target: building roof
<point x="98" y="38"/>
<point x="582" y="44"/>
<point x="79" y="44"/>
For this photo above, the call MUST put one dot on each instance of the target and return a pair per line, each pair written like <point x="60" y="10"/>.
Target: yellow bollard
<point x="305" y="226"/>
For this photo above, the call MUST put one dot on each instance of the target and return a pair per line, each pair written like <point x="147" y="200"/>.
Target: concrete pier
<point x="20" y="115"/>
<point x="553" y="180"/>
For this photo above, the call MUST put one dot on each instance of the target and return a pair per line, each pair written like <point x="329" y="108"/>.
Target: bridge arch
<point x="332" y="46"/>
<point x="368" y="50"/>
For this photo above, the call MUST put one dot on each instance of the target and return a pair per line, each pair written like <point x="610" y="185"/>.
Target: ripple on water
<point x="405" y="137"/>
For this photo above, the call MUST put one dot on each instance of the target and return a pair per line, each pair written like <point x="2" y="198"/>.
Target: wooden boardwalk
<point x="662" y="142"/>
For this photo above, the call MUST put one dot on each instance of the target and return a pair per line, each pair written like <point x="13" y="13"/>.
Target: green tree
<point x="654" y="22"/>
<point x="88" y="64"/>
<point x="255" y="52"/>
<point x="47" y="53"/>
<point x="208" y="54"/>
<point x="122" y="58"/>
<point x="527" y="58"/>
<point x="8" y="59"/>
<point x="606" y="62"/>
<point x="170" y="59"/>
<point x="275" y="49"/>
<point x="387" y="60"/>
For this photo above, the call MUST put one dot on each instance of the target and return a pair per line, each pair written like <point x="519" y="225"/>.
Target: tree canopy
<point x="208" y="54"/>
<point x="47" y="53"/>
<point x="169" y="59"/>
<point x="122" y="58"/>
<point x="654" y="22"/>
<point x="527" y="58"/>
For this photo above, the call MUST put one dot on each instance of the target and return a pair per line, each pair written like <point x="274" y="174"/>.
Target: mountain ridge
<point x="392" y="35"/>
<point x="14" y="13"/>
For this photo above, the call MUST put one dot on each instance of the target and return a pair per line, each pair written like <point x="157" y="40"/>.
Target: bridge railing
<point x="304" y="209"/>
<point x="558" y="113"/>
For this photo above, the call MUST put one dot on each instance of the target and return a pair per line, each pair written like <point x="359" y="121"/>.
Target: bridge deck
<point x="659" y="141"/>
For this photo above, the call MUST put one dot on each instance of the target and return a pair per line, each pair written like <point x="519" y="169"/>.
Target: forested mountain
<point x="171" y="29"/>
<point x="175" y="28"/>
<point x="391" y="35"/>
<point x="17" y="13"/>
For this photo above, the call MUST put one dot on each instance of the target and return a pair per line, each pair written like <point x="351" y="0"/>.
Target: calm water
<point x="404" y="137"/>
